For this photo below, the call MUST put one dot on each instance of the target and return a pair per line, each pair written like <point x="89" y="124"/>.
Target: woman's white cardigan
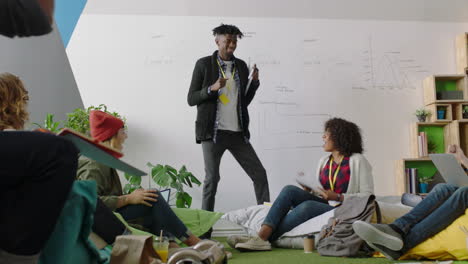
<point x="361" y="182"/>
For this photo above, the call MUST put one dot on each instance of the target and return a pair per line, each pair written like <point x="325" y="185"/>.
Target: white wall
<point x="42" y="64"/>
<point x="400" y="10"/>
<point x="313" y="70"/>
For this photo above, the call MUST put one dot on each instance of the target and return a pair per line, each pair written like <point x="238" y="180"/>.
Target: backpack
<point x="337" y="237"/>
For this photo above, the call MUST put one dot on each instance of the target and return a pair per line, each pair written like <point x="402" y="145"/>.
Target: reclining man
<point x="443" y="205"/>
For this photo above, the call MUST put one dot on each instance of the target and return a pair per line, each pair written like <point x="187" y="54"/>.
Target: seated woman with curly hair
<point x="37" y="172"/>
<point x="343" y="173"/>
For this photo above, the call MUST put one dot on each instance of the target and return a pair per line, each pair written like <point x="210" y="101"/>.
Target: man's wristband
<point x="338" y="197"/>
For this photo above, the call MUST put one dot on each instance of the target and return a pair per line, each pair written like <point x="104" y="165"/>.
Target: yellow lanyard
<point x="224" y="75"/>
<point x="332" y="181"/>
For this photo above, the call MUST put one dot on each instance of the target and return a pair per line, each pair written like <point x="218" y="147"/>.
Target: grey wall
<point x="43" y="66"/>
<point x="421" y="10"/>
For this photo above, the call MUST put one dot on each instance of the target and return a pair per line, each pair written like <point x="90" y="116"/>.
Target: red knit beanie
<point x="103" y="125"/>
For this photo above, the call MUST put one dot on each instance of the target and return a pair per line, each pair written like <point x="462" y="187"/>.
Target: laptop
<point x="166" y="194"/>
<point x="450" y="169"/>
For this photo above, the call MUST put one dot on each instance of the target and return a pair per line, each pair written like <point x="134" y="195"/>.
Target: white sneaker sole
<point x="243" y="247"/>
<point x="373" y="235"/>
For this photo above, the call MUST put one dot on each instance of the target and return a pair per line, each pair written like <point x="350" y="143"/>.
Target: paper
<point x="306" y="181"/>
<point x="250" y="80"/>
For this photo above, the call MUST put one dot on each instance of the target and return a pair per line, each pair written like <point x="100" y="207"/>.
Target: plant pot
<point x="440" y="114"/>
<point x="421" y="118"/>
<point x="423" y="187"/>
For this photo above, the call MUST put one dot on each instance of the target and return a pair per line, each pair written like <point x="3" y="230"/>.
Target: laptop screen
<point x="165" y="194"/>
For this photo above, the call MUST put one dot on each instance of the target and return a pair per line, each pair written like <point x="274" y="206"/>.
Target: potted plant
<point x="441" y="113"/>
<point x="424" y="183"/>
<point x="465" y="112"/>
<point x="431" y="147"/>
<point x="50" y="124"/>
<point x="78" y="120"/>
<point x="166" y="176"/>
<point x="421" y="114"/>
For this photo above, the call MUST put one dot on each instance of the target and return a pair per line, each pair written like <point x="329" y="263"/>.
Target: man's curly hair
<point x="224" y="29"/>
<point x="346" y="136"/>
<point x="13" y="101"/>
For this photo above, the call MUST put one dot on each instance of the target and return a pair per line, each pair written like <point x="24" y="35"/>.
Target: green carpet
<point x="295" y="256"/>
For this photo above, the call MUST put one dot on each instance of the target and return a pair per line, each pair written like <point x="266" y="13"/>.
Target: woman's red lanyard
<point x="332" y="181"/>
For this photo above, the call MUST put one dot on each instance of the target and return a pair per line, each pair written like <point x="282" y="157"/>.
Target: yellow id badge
<point x="224" y="99"/>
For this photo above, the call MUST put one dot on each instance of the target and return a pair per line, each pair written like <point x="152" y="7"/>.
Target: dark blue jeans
<point x="304" y="207"/>
<point x="443" y="205"/>
<point x="156" y="218"/>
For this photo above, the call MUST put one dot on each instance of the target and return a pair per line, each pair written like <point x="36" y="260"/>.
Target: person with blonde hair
<point x="141" y="204"/>
<point x="36" y="170"/>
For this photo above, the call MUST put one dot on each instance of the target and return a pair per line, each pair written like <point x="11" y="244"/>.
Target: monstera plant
<point x="166" y="176"/>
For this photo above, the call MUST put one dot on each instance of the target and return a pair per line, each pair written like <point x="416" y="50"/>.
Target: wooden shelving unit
<point x="458" y="111"/>
<point x="447" y="92"/>
<point x="445" y="89"/>
<point x="439" y="133"/>
<point x="435" y="108"/>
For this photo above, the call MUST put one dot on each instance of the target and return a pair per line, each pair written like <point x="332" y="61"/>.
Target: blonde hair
<point x="111" y="142"/>
<point x="13" y="102"/>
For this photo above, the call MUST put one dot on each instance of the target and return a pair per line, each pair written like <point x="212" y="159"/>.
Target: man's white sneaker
<point x="254" y="244"/>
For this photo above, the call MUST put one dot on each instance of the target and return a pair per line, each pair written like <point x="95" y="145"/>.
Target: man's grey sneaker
<point x="388" y="253"/>
<point x="379" y="234"/>
<point x="232" y="240"/>
<point x="254" y="244"/>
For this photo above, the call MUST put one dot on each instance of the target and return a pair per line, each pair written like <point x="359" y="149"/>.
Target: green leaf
<point x="156" y="169"/>
<point x="171" y="169"/>
<point x="185" y="177"/>
<point x="38" y="125"/>
<point x="173" y="176"/>
<point x="183" y="169"/>
<point x="162" y="178"/>
<point x="187" y="199"/>
<point x="194" y="179"/>
<point x="180" y="202"/>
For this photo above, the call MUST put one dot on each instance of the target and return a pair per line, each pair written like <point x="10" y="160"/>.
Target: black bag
<point x="337" y="238"/>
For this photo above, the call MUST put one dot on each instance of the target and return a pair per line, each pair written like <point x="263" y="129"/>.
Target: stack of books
<point x="411" y="180"/>
<point x="422" y="145"/>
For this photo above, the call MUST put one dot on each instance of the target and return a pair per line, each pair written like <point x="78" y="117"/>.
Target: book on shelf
<point x="422" y="145"/>
<point x="411" y="180"/>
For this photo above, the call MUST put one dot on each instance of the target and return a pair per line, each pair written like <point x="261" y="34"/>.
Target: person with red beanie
<point x="140" y="204"/>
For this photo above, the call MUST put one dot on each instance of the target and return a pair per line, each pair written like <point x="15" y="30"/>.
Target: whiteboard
<point x="369" y="72"/>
